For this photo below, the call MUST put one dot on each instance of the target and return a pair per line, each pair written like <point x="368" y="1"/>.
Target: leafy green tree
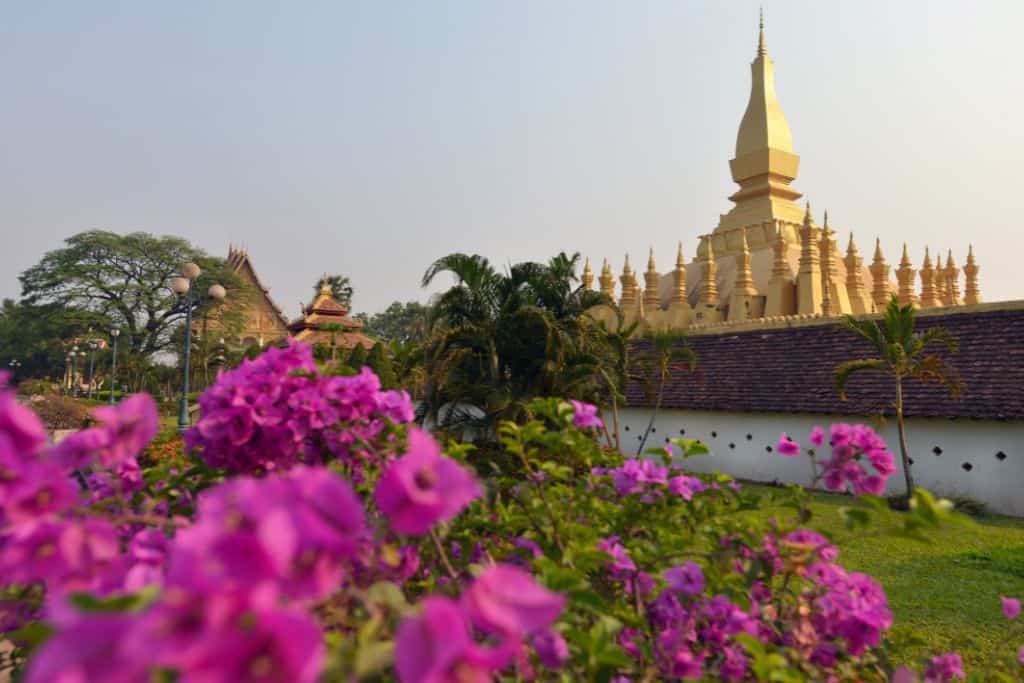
<point x="901" y="354"/>
<point x="126" y="279"/>
<point x="497" y="340"/>
<point x="357" y="357"/>
<point x="399" y="322"/>
<point x="340" y="286"/>
<point x="39" y="337"/>
<point x="380" y="362"/>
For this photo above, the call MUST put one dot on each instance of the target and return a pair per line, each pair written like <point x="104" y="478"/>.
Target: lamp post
<point x="14" y="365"/>
<point x="114" y="334"/>
<point x="92" y="365"/>
<point x="74" y="360"/>
<point x="183" y="287"/>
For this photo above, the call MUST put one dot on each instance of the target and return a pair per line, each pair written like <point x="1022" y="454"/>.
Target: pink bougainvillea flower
<point x="507" y="600"/>
<point x="1020" y="656"/>
<point x="687" y="579"/>
<point x="18" y="424"/>
<point x="131" y="424"/>
<point x="787" y="446"/>
<point x="424" y="487"/>
<point x="551" y="649"/>
<point x="817" y="436"/>
<point x="89" y="648"/>
<point x="436" y="647"/>
<point x="585" y="415"/>
<point x="1011" y="607"/>
<point x="944" y="668"/>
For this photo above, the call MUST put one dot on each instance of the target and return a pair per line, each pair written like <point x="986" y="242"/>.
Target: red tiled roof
<point x="790" y="370"/>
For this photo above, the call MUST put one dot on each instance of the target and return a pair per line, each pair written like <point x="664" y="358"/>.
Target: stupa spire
<point x="679" y="278"/>
<point x="879" y="278"/>
<point x="651" y="299"/>
<point x="607" y="280"/>
<point x="588" y="275"/>
<point x="972" y="294"/>
<point x="762" y="48"/>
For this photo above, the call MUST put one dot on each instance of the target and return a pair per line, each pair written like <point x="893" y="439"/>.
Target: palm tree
<point x="498" y="339"/>
<point x="901" y="355"/>
<point x="666" y="348"/>
<point x="616" y="365"/>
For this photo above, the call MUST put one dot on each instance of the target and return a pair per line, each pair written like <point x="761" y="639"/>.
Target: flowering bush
<point x="313" y="534"/>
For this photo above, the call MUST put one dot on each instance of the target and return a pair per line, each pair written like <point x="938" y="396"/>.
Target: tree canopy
<point x="340" y="286"/>
<point x="126" y="279"/>
<point x="399" y="322"/>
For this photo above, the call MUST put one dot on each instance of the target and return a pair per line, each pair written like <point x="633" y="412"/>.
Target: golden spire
<point x="744" y="278"/>
<point x="607" y="280"/>
<point x="588" y="275"/>
<point x="762" y="49"/>
<point x="929" y="298"/>
<point x="972" y="295"/>
<point x="808" y="248"/>
<point x="325" y="289"/>
<point x="763" y="125"/>
<point x="879" y="278"/>
<point x="628" y="297"/>
<point x="679" y="278"/>
<point x="709" y="272"/>
<point x="651" y="299"/>
<point x="952" y="280"/>
<point x="853" y="263"/>
<point x="905" y="280"/>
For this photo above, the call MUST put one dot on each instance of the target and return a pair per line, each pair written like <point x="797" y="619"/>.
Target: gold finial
<point x="325" y="289"/>
<point x="680" y="261"/>
<point x="905" y="260"/>
<point x="626" y="269"/>
<point x="762" y="48"/>
<point x="650" y="261"/>
<point x="588" y="275"/>
<point x="807" y="213"/>
<point x="851" y="248"/>
<point x="878" y="250"/>
<point x="927" y="259"/>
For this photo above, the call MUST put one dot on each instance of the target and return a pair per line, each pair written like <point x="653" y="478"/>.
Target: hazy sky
<point x="369" y="138"/>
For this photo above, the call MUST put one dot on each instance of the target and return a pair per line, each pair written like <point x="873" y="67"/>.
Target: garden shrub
<point x="60" y="412"/>
<point x="314" y="534"/>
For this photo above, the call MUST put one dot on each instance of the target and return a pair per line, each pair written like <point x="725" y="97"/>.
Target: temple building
<point x="326" y="322"/>
<point x="758" y="305"/>
<point x="264" y="320"/>
<point x="769" y="259"/>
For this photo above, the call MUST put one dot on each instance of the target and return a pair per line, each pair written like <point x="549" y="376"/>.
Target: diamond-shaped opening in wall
<point x="768" y="448"/>
<point x="714" y="435"/>
<point x="937" y="451"/>
<point x="1000" y="456"/>
<point x="682" y="432"/>
<point x="750" y="437"/>
<point x="626" y="428"/>
<point x="967" y="467"/>
<point x="732" y="445"/>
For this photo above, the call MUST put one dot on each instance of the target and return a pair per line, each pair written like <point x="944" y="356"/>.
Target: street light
<point x="74" y="359"/>
<point x="182" y="286"/>
<point x="93" y="344"/>
<point x="114" y="334"/>
<point x="14" y="365"/>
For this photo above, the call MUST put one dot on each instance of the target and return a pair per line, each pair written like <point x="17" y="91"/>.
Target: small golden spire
<point x="762" y="48"/>
<point x="879" y="278"/>
<point x="652" y="301"/>
<point x="607" y="280"/>
<point x="972" y="294"/>
<point x="905" y="278"/>
<point x="325" y="289"/>
<point x="679" y="278"/>
<point x="708" y="284"/>
<point x="588" y="275"/>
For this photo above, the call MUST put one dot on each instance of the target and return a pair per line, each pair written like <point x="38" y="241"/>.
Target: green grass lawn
<point x="945" y="592"/>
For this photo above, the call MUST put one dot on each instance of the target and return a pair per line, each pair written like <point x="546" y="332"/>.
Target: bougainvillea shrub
<point x="312" y="533"/>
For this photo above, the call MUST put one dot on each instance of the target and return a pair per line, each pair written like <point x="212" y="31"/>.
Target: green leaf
<point x="374" y="658"/>
<point x="132" y="602"/>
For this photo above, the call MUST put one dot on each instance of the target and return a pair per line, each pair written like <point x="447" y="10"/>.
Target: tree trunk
<point x="654" y="415"/>
<point x="615" y="420"/>
<point x="901" y="428"/>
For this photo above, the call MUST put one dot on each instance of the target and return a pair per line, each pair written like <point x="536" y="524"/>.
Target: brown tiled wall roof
<point x="790" y="370"/>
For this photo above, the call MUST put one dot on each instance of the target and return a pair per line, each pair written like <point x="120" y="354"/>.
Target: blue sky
<point x="369" y="138"/>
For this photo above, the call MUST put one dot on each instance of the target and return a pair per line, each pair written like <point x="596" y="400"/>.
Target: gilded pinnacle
<point x="680" y="262"/>
<point x="762" y="48"/>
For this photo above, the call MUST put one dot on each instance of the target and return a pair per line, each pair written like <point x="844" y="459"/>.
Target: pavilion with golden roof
<point x="326" y="322"/>
<point x="768" y="260"/>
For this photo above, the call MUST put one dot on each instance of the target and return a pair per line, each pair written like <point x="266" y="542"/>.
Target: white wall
<point x="968" y="464"/>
